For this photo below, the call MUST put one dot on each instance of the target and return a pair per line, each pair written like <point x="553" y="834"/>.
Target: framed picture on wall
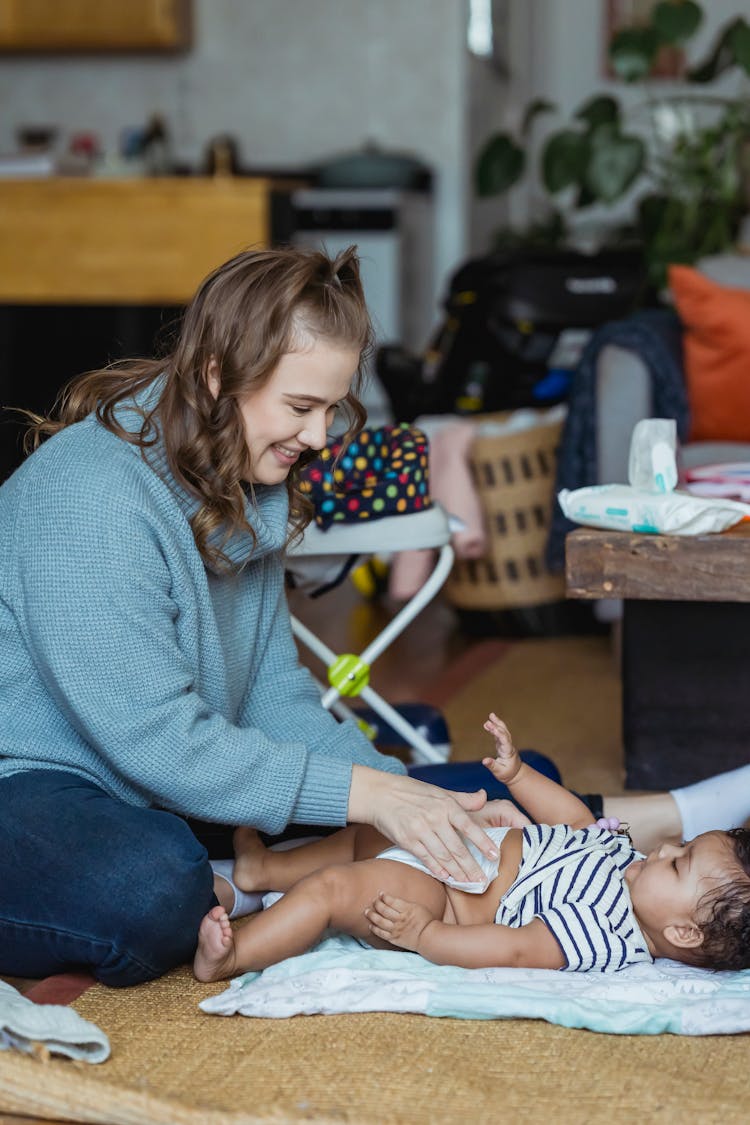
<point x="94" y="26"/>
<point x="622" y="15"/>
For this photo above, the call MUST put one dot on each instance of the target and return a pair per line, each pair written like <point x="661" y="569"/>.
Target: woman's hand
<point x="508" y="761"/>
<point x="428" y="821"/>
<point x="398" y="921"/>
<point x="501" y="814"/>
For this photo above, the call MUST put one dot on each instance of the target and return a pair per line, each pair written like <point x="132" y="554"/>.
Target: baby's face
<point x="668" y="884"/>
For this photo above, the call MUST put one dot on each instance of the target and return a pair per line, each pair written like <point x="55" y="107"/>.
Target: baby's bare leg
<point x="330" y="897"/>
<point x="258" y="868"/>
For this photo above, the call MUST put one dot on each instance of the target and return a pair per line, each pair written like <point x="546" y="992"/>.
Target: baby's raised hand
<point x="398" y="921"/>
<point x="507" y="763"/>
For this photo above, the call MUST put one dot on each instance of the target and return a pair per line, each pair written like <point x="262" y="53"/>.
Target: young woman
<point x="147" y="668"/>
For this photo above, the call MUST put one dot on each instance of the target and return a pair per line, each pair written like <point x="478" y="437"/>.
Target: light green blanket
<point x="340" y="975"/>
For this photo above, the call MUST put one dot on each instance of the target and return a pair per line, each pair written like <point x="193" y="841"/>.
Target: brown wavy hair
<point x="724" y="913"/>
<point x="245" y="316"/>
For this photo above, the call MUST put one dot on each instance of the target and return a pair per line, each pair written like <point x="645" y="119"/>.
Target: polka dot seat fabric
<point x="382" y="472"/>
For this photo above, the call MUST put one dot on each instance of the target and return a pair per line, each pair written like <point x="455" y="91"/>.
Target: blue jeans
<point x="89" y="881"/>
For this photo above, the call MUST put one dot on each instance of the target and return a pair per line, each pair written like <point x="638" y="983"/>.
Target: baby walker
<point x="373" y="498"/>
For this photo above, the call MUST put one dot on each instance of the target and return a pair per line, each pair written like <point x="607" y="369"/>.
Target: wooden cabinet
<point x="94" y="25"/>
<point x="93" y="270"/>
<point x="140" y="241"/>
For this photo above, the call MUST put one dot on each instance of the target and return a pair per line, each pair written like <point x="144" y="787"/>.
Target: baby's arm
<point x="543" y="798"/>
<point x="411" y="926"/>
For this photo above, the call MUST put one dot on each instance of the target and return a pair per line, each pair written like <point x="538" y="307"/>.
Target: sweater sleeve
<point x="107" y="636"/>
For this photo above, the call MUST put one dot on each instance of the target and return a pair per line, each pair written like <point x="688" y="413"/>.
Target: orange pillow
<point x="717" y="355"/>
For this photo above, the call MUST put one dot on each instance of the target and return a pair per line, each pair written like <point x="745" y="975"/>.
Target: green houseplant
<point x="684" y="152"/>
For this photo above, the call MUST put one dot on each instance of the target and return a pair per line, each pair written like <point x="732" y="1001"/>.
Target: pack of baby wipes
<point x="650" y="502"/>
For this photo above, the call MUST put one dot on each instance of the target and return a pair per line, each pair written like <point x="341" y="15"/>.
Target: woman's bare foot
<point x="214" y="957"/>
<point x="249" y="860"/>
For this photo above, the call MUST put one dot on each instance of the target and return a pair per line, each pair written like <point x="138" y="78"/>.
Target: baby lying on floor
<point x="563" y="894"/>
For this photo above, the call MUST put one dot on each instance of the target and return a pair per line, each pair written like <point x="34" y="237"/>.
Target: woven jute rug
<point x="171" y="1063"/>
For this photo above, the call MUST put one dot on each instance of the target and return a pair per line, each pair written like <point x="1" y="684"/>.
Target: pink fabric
<point x="451" y="486"/>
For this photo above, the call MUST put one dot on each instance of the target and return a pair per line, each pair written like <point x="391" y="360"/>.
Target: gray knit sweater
<point x="124" y="659"/>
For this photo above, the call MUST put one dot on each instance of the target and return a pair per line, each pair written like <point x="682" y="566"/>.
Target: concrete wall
<point x="294" y="80"/>
<point x="299" y="80"/>
<point x="568" y="46"/>
<point x="566" y="62"/>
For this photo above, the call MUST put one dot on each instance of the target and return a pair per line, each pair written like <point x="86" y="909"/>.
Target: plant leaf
<point x="533" y="110"/>
<point x="651" y="213"/>
<point x="605" y="134"/>
<point x="632" y="52"/>
<point x="613" y="165"/>
<point x="739" y="42"/>
<point x="598" y="110"/>
<point x="585" y="197"/>
<point x="676" y="22"/>
<point x="499" y="165"/>
<point x="720" y="59"/>
<point x="564" y="160"/>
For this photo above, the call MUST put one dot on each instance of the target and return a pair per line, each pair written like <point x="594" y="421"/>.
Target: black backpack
<point x="505" y="314"/>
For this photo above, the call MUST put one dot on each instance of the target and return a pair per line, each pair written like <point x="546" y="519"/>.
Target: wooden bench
<point x="685" y="646"/>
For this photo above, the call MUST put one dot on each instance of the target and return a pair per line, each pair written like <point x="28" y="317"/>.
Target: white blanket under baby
<point x="340" y="975"/>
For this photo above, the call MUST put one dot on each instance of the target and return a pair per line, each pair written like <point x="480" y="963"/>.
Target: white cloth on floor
<point x="58" y="1028"/>
<point x="339" y="975"/>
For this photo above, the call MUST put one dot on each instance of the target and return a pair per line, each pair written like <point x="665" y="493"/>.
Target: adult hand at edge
<point x="428" y="821"/>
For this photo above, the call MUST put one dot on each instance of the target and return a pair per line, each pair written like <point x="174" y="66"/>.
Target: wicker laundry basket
<point x="514" y="475"/>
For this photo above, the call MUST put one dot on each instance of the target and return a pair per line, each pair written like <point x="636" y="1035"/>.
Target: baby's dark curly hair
<point x="726" y="924"/>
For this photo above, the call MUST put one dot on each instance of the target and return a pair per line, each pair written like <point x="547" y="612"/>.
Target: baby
<point x="564" y="894"/>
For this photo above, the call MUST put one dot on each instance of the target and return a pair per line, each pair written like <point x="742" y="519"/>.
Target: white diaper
<point x="490" y="867"/>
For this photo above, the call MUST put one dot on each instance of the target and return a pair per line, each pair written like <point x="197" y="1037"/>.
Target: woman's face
<point x="294" y="410"/>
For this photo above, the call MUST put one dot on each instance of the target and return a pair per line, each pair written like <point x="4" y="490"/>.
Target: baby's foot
<point x="249" y="860"/>
<point x="214" y="957"/>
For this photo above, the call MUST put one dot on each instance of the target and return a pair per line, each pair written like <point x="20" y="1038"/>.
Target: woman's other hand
<point x="428" y="821"/>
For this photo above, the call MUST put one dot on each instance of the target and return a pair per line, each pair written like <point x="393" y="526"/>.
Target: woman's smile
<point x="289" y="456"/>
<point x="301" y="395"/>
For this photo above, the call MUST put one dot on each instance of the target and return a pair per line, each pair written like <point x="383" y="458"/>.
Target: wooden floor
<point x="347" y="622"/>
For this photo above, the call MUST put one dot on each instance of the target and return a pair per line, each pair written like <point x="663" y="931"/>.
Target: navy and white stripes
<point x="573" y="881"/>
